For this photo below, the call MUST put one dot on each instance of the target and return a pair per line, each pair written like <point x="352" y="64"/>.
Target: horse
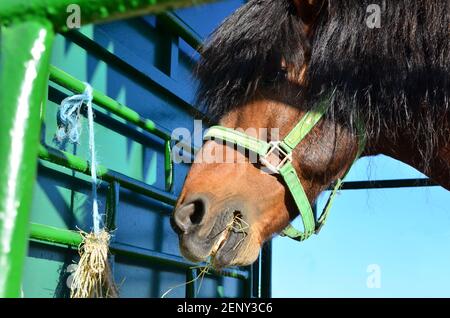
<point x="384" y="88"/>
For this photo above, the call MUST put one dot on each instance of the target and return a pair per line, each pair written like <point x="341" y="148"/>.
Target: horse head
<point x="264" y="70"/>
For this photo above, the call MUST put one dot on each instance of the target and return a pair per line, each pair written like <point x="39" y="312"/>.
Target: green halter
<point x="285" y="168"/>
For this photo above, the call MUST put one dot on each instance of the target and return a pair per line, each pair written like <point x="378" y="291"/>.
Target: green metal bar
<point x="112" y="201"/>
<point x="91" y="11"/>
<point x="48" y="234"/>
<point x="73" y="162"/>
<point x="388" y="184"/>
<point x="255" y="275"/>
<point x="73" y="84"/>
<point x="44" y="106"/>
<point x="54" y="235"/>
<point x="191" y="284"/>
<point x="266" y="270"/>
<point x="248" y="283"/>
<point x="177" y="26"/>
<point x="168" y="165"/>
<point x="67" y="81"/>
<point x="24" y="59"/>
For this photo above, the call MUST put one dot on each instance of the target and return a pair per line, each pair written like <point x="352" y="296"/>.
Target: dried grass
<point x="93" y="276"/>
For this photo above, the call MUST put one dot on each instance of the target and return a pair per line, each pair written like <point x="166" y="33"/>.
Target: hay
<point x="238" y="227"/>
<point x="93" y="276"/>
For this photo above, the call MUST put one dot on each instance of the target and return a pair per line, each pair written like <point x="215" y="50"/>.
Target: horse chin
<point x="235" y="251"/>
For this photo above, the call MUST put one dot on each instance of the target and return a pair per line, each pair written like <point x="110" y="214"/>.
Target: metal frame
<point x="23" y="79"/>
<point x="53" y="235"/>
<point x="25" y="70"/>
<point x="388" y="184"/>
<point x="54" y="11"/>
<point x="22" y="100"/>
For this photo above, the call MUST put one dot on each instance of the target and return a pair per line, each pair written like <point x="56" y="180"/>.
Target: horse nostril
<point x="188" y="215"/>
<point x="199" y="211"/>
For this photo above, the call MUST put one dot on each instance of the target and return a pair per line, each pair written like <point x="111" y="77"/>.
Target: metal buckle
<point x="282" y="155"/>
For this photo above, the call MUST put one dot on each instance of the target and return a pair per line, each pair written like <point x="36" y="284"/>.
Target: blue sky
<point x="403" y="233"/>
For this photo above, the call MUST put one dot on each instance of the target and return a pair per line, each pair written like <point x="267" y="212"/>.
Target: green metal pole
<point x="255" y="275"/>
<point x="168" y="165"/>
<point x="90" y="11"/>
<point x="24" y="59"/>
<point x="112" y="201"/>
<point x="73" y="84"/>
<point x="52" y="235"/>
<point x="73" y="162"/>
<point x="62" y="78"/>
<point x="55" y="235"/>
<point x="266" y="270"/>
<point x="191" y="284"/>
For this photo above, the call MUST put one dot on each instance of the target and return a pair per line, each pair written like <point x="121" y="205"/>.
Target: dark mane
<point x="243" y="55"/>
<point x="394" y="79"/>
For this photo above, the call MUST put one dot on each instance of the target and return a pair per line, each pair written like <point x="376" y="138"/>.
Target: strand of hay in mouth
<point x="93" y="276"/>
<point x="239" y="225"/>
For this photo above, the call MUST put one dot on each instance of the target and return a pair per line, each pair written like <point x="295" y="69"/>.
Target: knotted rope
<point x="92" y="278"/>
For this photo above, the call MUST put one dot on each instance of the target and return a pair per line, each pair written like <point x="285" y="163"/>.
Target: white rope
<point x="70" y="129"/>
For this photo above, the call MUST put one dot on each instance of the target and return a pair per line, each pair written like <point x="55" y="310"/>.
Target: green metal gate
<point x="133" y="132"/>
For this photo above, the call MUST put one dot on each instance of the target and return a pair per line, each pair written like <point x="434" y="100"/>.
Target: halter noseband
<point x="285" y="168"/>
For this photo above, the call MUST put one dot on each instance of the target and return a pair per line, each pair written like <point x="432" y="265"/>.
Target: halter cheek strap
<point x="283" y="149"/>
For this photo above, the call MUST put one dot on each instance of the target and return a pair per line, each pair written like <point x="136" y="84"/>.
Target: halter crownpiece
<point x="285" y="168"/>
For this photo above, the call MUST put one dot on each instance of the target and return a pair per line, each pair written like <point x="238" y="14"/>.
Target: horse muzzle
<point x="217" y="233"/>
